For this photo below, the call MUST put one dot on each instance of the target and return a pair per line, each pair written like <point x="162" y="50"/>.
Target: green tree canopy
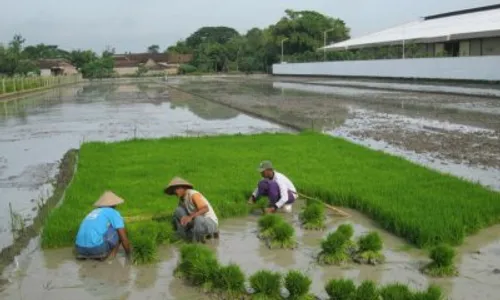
<point x="219" y="34"/>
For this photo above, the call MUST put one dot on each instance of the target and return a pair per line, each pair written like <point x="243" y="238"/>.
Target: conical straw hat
<point x="177" y="181"/>
<point x="108" y="199"/>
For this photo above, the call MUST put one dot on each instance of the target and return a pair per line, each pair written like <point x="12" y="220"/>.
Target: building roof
<point x="480" y="22"/>
<point x="53" y="63"/>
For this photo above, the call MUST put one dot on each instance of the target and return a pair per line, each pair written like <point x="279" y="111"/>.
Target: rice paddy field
<point x="392" y="191"/>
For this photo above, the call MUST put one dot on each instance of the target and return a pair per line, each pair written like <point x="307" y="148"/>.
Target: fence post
<point x="3" y="86"/>
<point x="14" y="84"/>
<point x="22" y="83"/>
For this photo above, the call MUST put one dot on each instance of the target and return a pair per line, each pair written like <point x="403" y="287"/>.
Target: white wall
<point x="456" y="68"/>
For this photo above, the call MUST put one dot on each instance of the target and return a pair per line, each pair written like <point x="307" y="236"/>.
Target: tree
<point x="79" y="58"/>
<point x="219" y="34"/>
<point x="180" y="47"/>
<point x="154" y="49"/>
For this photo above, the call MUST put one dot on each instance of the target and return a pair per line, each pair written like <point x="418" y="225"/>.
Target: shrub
<point x="282" y="235"/>
<point x="266" y="284"/>
<point x="442" y="261"/>
<point x="230" y="279"/>
<point x="367" y="291"/>
<point x="267" y="222"/>
<point x="396" y="291"/>
<point x="313" y="216"/>
<point x="340" y="289"/>
<point x="347" y="230"/>
<point x="187" y="69"/>
<point x="297" y="284"/>
<point x="370" y="242"/>
<point x="334" y="249"/>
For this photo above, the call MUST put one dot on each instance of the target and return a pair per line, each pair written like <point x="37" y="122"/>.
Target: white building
<point x="469" y="32"/>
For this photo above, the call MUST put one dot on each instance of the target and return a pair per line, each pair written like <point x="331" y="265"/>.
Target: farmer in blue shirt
<point x="102" y="231"/>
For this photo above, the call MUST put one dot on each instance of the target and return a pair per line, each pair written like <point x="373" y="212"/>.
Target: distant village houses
<point x="56" y="67"/>
<point x="152" y="63"/>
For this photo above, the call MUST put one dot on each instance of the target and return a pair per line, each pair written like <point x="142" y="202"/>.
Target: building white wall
<point x="45" y="72"/>
<point x="452" y="68"/>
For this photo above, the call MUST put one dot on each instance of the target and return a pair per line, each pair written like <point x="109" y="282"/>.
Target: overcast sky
<point x="133" y="25"/>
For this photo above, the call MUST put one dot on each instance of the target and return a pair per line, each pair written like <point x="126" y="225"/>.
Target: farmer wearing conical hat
<point x="102" y="231"/>
<point x="277" y="187"/>
<point x="194" y="218"/>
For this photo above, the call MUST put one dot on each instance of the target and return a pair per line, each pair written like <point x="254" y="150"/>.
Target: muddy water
<point x="36" y="131"/>
<point x="55" y="274"/>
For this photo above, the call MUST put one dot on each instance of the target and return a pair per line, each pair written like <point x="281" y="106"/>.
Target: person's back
<point x="190" y="207"/>
<point x="96" y="224"/>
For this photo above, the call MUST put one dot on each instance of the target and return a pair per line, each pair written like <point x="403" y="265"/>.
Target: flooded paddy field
<point x="36" y="131"/>
<point x="55" y="274"/>
<point x="456" y="134"/>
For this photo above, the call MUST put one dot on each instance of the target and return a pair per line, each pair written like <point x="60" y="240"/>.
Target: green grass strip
<point x="421" y="205"/>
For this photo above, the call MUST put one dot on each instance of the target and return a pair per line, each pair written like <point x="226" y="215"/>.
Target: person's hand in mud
<point x="270" y="210"/>
<point x="251" y="200"/>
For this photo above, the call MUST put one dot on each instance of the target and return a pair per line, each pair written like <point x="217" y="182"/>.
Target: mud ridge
<point x="67" y="169"/>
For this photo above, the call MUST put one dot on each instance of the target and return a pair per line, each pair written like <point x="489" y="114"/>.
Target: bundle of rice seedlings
<point x="340" y="289"/>
<point x="442" y="262"/>
<point x="313" y="216"/>
<point x="266" y="284"/>
<point x="298" y="285"/>
<point x="369" y="247"/>
<point x="230" y="280"/>
<point x="266" y="222"/>
<point x="396" y="291"/>
<point x="367" y="291"/>
<point x="334" y="249"/>
<point x="282" y="235"/>
<point x="432" y="293"/>
<point x="198" y="265"/>
<point x="260" y="205"/>
<point x="144" y="250"/>
<point x="347" y="230"/>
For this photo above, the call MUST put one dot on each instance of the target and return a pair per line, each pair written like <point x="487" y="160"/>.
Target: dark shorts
<point x="110" y="241"/>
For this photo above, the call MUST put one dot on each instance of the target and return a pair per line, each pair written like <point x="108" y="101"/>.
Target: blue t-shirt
<point x="96" y="224"/>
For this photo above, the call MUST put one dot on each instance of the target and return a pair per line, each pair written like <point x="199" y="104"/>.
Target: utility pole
<point x="282" y="41"/>
<point x="324" y="42"/>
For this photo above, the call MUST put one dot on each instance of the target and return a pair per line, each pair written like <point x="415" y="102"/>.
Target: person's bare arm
<point x="122" y="233"/>
<point x="201" y="209"/>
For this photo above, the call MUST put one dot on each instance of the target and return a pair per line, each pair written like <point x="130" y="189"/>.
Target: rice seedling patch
<point x="313" y="216"/>
<point x="398" y="291"/>
<point x="340" y="289"/>
<point x="298" y="285"/>
<point x="266" y="284"/>
<point x="442" y="262"/>
<point x="369" y="249"/>
<point x="337" y="248"/>
<point x="391" y="190"/>
<point x="367" y="291"/>
<point x="230" y="281"/>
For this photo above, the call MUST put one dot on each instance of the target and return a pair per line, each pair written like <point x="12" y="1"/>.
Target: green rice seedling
<point x="313" y="216"/>
<point x="396" y="291"/>
<point x="266" y="284"/>
<point x="261" y="204"/>
<point x="230" y="280"/>
<point x="463" y="207"/>
<point x="347" y="230"/>
<point x="442" y="262"/>
<point x="334" y="249"/>
<point x="432" y="293"/>
<point x="340" y="289"/>
<point x="369" y="247"/>
<point x="144" y="239"/>
<point x="282" y="235"/>
<point x="266" y="223"/>
<point x="144" y="250"/>
<point x="367" y="291"/>
<point x="198" y="265"/>
<point x="298" y="285"/>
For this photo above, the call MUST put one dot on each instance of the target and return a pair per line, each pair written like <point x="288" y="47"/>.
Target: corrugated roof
<point x="469" y="24"/>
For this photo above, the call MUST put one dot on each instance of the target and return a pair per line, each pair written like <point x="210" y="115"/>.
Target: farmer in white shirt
<point x="277" y="187"/>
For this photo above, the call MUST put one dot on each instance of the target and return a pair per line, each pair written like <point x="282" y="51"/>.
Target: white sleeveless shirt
<point x="191" y="207"/>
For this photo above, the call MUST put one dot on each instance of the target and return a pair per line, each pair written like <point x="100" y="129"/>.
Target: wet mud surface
<point x="456" y="134"/>
<point x="55" y="274"/>
<point x="36" y="131"/>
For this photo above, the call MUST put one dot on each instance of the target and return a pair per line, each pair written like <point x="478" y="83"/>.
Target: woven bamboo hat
<point x="176" y="182"/>
<point x="108" y="199"/>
